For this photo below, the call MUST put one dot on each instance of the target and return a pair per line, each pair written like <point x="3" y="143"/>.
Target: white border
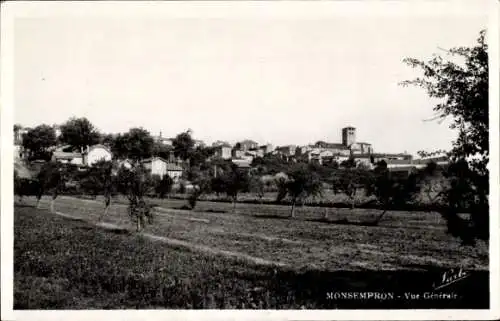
<point x="205" y="9"/>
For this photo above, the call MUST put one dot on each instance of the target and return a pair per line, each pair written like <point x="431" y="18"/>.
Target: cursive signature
<point x="450" y="277"/>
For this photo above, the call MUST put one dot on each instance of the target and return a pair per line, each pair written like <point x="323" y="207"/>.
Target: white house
<point x="97" y="153"/>
<point x="159" y="166"/>
<point x="223" y="151"/>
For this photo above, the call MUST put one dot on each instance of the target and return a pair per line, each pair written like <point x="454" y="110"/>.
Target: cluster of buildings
<point x="244" y="152"/>
<point x="323" y="153"/>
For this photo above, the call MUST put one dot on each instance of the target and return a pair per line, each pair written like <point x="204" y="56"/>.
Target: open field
<point x="291" y="263"/>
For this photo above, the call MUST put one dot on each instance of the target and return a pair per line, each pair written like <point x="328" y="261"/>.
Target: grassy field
<point x="64" y="263"/>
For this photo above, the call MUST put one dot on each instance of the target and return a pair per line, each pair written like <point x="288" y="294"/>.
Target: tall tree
<point x="183" y="145"/>
<point x="302" y="183"/>
<point x="161" y="150"/>
<point x="99" y="180"/>
<point x="235" y="182"/>
<point x="51" y="179"/>
<point x="79" y="133"/>
<point x="134" y="184"/>
<point x="389" y="190"/>
<point x="163" y="186"/>
<point x="136" y="144"/>
<point x="349" y="181"/>
<point x="38" y="140"/>
<point x="460" y="82"/>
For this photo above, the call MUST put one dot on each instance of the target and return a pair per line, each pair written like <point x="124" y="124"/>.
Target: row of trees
<point x="136" y="144"/>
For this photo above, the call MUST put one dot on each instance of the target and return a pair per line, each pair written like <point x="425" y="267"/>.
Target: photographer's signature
<point x="450" y="277"/>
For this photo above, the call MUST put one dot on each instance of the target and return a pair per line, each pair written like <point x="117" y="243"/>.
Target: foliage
<point x="52" y="179"/>
<point x="257" y="185"/>
<point x="199" y="176"/>
<point x="163" y="186"/>
<point x="349" y="181"/>
<point x="200" y="155"/>
<point x="79" y="133"/>
<point x="217" y="185"/>
<point x="390" y="190"/>
<point x="38" y="140"/>
<point x="281" y="181"/>
<point x="462" y="87"/>
<point x="349" y="163"/>
<point x="135" y="184"/>
<point x="98" y="179"/>
<point x="136" y="144"/>
<point x="107" y="140"/>
<point x="302" y="183"/>
<point x="235" y="181"/>
<point x="183" y="145"/>
<point x="271" y="164"/>
<point x="161" y="150"/>
<point x="25" y="186"/>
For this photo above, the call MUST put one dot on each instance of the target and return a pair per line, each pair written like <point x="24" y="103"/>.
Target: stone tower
<point x="348" y="135"/>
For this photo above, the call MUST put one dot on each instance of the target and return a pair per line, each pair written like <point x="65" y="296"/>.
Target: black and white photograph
<point x="247" y="156"/>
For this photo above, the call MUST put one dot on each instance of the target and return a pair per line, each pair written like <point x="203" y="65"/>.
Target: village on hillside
<point x="242" y="154"/>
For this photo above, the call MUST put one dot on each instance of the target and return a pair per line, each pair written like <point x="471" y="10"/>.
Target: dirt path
<point x="256" y="236"/>
<point x="184" y="244"/>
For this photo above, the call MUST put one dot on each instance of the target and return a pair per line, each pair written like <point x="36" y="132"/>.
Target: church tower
<point x="348" y="136"/>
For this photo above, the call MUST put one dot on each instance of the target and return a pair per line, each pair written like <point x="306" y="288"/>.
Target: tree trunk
<point x="234" y="204"/>
<point x="377" y="220"/>
<point x="325" y="216"/>
<point x="52" y="201"/>
<point x="38" y="202"/>
<point x="292" y="212"/>
<point x="104" y="214"/>
<point x="138" y="224"/>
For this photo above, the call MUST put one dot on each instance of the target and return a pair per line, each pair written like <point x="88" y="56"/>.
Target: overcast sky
<point x="279" y="80"/>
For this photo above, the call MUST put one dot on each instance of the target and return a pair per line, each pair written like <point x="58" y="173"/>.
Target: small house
<point x="67" y="158"/>
<point x="98" y="153"/>
<point x="159" y="166"/>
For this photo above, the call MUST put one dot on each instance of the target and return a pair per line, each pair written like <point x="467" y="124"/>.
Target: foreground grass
<point x="402" y="241"/>
<point x="67" y="264"/>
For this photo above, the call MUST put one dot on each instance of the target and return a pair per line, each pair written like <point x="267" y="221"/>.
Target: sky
<point x="279" y="80"/>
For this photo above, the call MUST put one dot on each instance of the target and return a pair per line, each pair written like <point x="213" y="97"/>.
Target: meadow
<point x="213" y="258"/>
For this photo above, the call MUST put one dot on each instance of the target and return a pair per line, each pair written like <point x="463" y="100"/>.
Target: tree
<point x="258" y="186"/>
<point x="136" y="144"/>
<point x="217" y="185"/>
<point x="107" y="140"/>
<point x="270" y="164"/>
<point x="389" y="190"/>
<point x="198" y="156"/>
<point x="51" y="179"/>
<point x="164" y="186"/>
<point x="99" y="180"/>
<point x="280" y="181"/>
<point x="349" y="163"/>
<point x="134" y="184"/>
<point x="24" y="186"/>
<point x="183" y="146"/>
<point x="38" y="140"/>
<point x="348" y="181"/>
<point x="301" y="184"/>
<point x="79" y="133"/>
<point x="461" y="85"/>
<point x="201" y="184"/>
<point x="161" y="150"/>
<point x="235" y="181"/>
